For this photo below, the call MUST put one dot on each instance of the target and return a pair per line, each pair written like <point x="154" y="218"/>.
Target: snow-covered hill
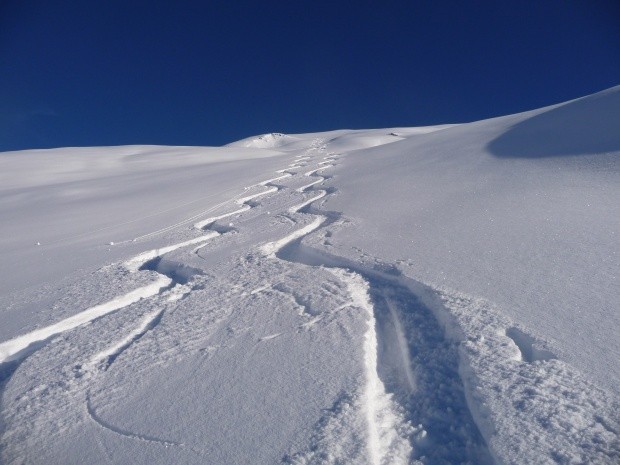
<point x="433" y="295"/>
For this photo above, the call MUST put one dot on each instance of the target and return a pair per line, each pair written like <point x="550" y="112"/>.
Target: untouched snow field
<point x="439" y="295"/>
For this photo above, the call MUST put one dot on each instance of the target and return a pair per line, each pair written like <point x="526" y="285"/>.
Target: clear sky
<point x="110" y="72"/>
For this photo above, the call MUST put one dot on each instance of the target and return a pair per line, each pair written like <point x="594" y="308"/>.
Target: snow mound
<point x="265" y="141"/>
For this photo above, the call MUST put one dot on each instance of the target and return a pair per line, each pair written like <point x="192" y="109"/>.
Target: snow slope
<point x="75" y="201"/>
<point x="513" y="210"/>
<point x="429" y="295"/>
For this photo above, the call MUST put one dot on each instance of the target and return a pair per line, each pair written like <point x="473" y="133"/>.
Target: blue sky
<point x="80" y="73"/>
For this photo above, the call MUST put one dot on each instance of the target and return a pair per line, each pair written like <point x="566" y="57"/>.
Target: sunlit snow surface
<point x="438" y="295"/>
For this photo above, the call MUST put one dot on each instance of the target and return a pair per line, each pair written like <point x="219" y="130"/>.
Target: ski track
<point x="319" y="195"/>
<point x="394" y="397"/>
<point x="171" y="274"/>
<point x="20" y="347"/>
<point x="136" y="263"/>
<point x="303" y="188"/>
<point x="245" y="202"/>
<point x="108" y="356"/>
<point x="100" y="422"/>
<point x="404" y="385"/>
<point x="180" y="223"/>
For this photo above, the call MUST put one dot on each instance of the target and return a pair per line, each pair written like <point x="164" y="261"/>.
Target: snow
<point x="20" y="347"/>
<point x="537" y="236"/>
<point x="433" y="295"/>
<point x="273" y="140"/>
